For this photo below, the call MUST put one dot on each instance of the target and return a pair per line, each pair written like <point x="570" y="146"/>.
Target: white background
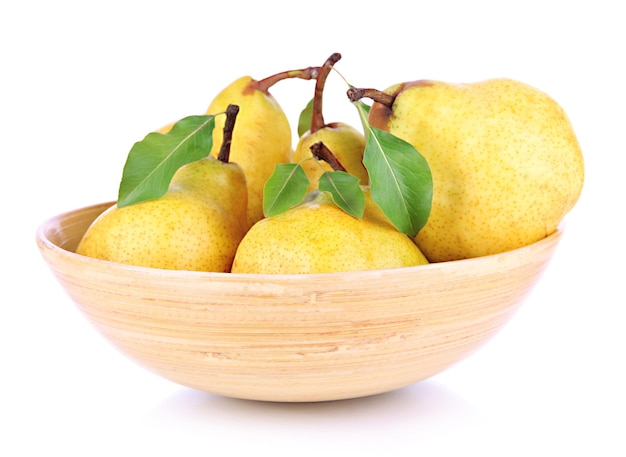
<point x="82" y="81"/>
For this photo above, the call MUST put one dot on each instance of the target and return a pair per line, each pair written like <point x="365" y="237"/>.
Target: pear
<point x="506" y="163"/>
<point x="345" y="142"/>
<point x="197" y="225"/>
<point x="316" y="236"/>
<point x="263" y="137"/>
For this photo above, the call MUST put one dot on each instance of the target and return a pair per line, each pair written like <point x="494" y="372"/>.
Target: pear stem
<point x="304" y="73"/>
<point x="317" y="117"/>
<point x="229" y="126"/>
<point x="356" y="94"/>
<point x="321" y="152"/>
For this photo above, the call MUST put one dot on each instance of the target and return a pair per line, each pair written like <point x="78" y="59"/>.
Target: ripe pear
<point x="506" y="164"/>
<point x="197" y="225"/>
<point x="263" y="137"/>
<point x="346" y="143"/>
<point x="316" y="236"/>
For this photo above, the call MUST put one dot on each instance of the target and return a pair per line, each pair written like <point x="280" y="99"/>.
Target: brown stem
<point x="229" y="126"/>
<point x="321" y="152"/>
<point x="355" y="94"/>
<point x="304" y="73"/>
<point x="317" y="117"/>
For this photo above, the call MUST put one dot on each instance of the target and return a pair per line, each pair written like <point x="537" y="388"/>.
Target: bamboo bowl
<point x="293" y="338"/>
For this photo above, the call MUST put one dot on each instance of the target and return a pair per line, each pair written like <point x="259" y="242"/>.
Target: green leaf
<point x="304" y="121"/>
<point x="365" y="109"/>
<point x="400" y="180"/>
<point x="285" y="188"/>
<point x="345" y="191"/>
<point x="153" y="161"/>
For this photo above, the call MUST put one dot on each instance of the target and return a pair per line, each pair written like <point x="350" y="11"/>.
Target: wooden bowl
<point x="293" y="338"/>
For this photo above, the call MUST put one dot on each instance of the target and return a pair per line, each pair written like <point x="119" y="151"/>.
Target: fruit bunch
<point x="437" y="172"/>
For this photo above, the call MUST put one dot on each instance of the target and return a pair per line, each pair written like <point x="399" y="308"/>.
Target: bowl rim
<point x="46" y="244"/>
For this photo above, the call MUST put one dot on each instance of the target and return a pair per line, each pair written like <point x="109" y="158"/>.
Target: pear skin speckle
<point x="344" y="141"/>
<point x="197" y="225"/>
<point x="506" y="164"/>
<point x="262" y="137"/>
<point x="318" y="237"/>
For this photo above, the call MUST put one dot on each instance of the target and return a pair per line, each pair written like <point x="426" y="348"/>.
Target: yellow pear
<point x="316" y="236"/>
<point x="197" y="225"/>
<point x="346" y="143"/>
<point x="263" y="137"/>
<point x="506" y="164"/>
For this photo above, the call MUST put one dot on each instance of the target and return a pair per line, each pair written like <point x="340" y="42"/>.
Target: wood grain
<point x="293" y="338"/>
